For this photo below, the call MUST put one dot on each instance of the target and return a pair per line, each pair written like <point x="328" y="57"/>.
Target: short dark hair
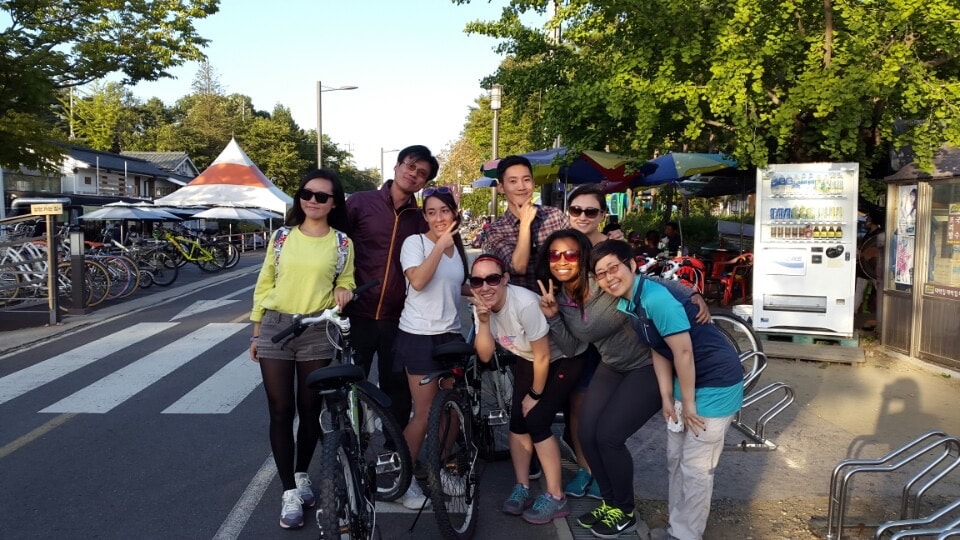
<point x="672" y="224"/>
<point x="611" y="227"/>
<point x="337" y="218"/>
<point x="589" y="189"/>
<point x="419" y="152"/>
<point x="618" y="248"/>
<point x="510" y="161"/>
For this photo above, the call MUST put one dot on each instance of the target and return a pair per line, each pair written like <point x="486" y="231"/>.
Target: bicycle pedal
<point x="497" y="417"/>
<point x="388" y="462"/>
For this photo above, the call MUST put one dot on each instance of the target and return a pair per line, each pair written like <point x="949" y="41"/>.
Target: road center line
<point x="40" y="431"/>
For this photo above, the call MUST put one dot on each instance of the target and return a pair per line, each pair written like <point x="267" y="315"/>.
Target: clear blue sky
<point x="418" y="73"/>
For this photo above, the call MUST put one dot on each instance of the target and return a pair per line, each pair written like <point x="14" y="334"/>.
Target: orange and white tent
<point x="232" y="180"/>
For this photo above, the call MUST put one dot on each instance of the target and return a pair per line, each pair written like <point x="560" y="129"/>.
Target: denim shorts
<point x="312" y="344"/>
<point x="413" y="353"/>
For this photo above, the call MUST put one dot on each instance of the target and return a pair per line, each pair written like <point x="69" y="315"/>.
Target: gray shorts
<point x="312" y="344"/>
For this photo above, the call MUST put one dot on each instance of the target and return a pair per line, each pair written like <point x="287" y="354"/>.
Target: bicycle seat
<point x="455" y="352"/>
<point x="334" y="377"/>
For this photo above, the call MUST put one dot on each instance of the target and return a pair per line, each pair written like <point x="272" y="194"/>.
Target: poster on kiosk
<point x="805" y="254"/>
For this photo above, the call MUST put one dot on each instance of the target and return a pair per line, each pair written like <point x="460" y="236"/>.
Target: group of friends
<point x="608" y="347"/>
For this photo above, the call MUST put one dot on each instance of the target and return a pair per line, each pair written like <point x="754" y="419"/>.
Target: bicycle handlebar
<point x="330" y="314"/>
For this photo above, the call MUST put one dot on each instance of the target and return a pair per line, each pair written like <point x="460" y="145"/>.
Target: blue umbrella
<point x="676" y="166"/>
<point x="484" y="183"/>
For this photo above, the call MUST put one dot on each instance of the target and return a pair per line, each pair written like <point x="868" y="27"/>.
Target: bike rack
<point x="908" y="523"/>
<point x="756" y="434"/>
<point x="908" y="453"/>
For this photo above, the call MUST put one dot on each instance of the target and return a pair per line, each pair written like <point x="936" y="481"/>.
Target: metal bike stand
<point x="908" y="525"/>
<point x="758" y="440"/>
<point x="908" y="453"/>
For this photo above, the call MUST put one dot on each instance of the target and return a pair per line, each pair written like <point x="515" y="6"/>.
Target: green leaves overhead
<point x="765" y="80"/>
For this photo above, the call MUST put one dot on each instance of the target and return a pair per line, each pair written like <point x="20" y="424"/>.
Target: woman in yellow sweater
<point x="300" y="274"/>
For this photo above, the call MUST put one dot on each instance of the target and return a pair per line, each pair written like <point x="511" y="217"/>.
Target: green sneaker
<point x="614" y="523"/>
<point x="593" y="517"/>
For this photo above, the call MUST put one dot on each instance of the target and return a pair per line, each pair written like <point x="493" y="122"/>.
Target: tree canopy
<point x="767" y="81"/>
<point x="52" y="45"/>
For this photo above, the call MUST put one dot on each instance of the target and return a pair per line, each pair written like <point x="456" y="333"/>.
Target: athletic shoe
<point x="593" y="491"/>
<point x="594" y="516"/>
<point x="303" y="488"/>
<point x="414" y="498"/>
<point x="546" y="509"/>
<point x="518" y="500"/>
<point x="535" y="470"/>
<point x="578" y="486"/>
<point x="615" y="523"/>
<point x="660" y="534"/>
<point x="453" y="484"/>
<point x="291" y="516"/>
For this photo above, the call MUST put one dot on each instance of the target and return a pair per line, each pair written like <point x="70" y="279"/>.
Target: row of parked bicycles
<point x="111" y="270"/>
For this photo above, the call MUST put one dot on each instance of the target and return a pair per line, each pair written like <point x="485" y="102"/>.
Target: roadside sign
<point x="50" y="209"/>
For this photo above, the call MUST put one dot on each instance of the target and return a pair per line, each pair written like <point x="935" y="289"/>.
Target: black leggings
<point x="616" y="405"/>
<point x="561" y="380"/>
<point x="280" y="377"/>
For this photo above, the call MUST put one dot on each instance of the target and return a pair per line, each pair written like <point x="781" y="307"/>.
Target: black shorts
<point x="563" y="377"/>
<point x="413" y="353"/>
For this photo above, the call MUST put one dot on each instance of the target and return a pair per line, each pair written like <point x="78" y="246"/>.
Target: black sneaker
<point x="594" y="516"/>
<point x="535" y="470"/>
<point x="614" y="523"/>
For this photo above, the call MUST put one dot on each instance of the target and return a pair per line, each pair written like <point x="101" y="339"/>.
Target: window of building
<point x="87" y="180"/>
<point x="901" y="244"/>
<point x="944" y="267"/>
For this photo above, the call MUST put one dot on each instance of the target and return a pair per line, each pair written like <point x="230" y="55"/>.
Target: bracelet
<point x="254" y="338"/>
<point x="534" y="394"/>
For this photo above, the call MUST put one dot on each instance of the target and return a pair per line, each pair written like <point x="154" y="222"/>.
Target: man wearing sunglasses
<point x="378" y="223"/>
<point x="516" y="236"/>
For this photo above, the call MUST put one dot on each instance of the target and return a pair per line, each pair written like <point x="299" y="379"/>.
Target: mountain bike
<point x="464" y="424"/>
<point x="363" y="456"/>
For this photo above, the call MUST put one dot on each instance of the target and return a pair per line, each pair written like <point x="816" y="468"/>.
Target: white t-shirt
<point x="432" y="310"/>
<point x="519" y="322"/>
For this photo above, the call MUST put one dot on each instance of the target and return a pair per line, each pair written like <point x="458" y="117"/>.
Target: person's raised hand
<point x="480" y="308"/>
<point x="527" y="213"/>
<point x="548" y="302"/>
<point x="446" y="238"/>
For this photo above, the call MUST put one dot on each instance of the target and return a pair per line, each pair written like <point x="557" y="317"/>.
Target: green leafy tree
<point x="102" y="116"/>
<point x="52" y="45"/>
<point x="766" y="81"/>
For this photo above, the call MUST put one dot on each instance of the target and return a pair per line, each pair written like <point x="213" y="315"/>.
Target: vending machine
<point x="805" y="249"/>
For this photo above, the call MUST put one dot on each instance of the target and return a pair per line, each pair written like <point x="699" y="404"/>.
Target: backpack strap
<point x="343" y="249"/>
<point x="278" y="241"/>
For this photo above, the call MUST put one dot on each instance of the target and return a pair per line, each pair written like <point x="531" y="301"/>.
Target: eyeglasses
<point x="411" y="166"/>
<point x="441" y="190"/>
<point x="570" y="255"/>
<point x="591" y="213"/>
<point x="612" y="269"/>
<point x="492" y="280"/>
<point x="319" y="196"/>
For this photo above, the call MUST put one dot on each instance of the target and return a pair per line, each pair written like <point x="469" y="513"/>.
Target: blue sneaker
<point x="304" y="489"/>
<point x="546" y="509"/>
<point x="594" y="490"/>
<point x="291" y="515"/>
<point x="518" y="501"/>
<point x="578" y="486"/>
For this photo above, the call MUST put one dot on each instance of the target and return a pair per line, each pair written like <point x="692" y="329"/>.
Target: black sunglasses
<point x="319" y="196"/>
<point x="442" y="190"/>
<point x="492" y="280"/>
<point x="591" y="213"/>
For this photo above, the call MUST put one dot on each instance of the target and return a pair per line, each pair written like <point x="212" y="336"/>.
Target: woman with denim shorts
<point x="300" y="278"/>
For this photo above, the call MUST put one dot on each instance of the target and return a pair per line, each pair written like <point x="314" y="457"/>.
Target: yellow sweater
<point x="304" y="282"/>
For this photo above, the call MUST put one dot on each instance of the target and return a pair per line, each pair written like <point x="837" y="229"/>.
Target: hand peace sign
<point x="548" y="303"/>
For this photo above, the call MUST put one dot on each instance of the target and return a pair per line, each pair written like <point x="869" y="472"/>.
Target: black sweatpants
<point x="371" y="337"/>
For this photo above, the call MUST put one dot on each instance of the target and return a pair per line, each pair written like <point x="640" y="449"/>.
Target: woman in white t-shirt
<point x="435" y="267"/>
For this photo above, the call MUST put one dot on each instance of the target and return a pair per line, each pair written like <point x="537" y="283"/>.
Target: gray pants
<point x="691" y="462"/>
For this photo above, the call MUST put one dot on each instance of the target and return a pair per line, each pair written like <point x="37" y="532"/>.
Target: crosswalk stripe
<point x="223" y="391"/>
<point x="114" y="389"/>
<point x="35" y="376"/>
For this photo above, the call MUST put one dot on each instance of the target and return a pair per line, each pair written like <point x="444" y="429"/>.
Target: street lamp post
<point x="320" y="90"/>
<point x="496" y="95"/>
<point x="383" y="171"/>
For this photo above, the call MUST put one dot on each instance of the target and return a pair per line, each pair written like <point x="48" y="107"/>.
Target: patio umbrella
<point x="675" y="166"/>
<point x="230" y="212"/>
<point x="484" y="183"/>
<point x="589" y="166"/>
<point x="125" y="212"/>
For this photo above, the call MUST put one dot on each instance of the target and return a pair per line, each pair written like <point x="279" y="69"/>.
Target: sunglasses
<point x="492" y="280"/>
<point x="440" y="190"/>
<point x="591" y="213"/>
<point x="570" y="255"/>
<point x="411" y="166"/>
<point x="319" y="196"/>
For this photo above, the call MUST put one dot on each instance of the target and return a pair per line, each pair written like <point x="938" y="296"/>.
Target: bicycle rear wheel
<point x="741" y="335"/>
<point x="383" y="445"/>
<point x="345" y="508"/>
<point x="452" y="473"/>
<point x="163" y="270"/>
<point x="215" y="262"/>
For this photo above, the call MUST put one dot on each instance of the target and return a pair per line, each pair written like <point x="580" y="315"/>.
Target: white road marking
<point x="203" y="305"/>
<point x="223" y="391"/>
<point x="27" y="379"/>
<point x="114" y="389"/>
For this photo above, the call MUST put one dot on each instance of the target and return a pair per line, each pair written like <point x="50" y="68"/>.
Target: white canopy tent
<point x="232" y="179"/>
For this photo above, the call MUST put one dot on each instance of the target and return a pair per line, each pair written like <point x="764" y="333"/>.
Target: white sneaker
<point x="453" y="484"/>
<point x="291" y="515"/>
<point x="304" y="490"/>
<point x="414" y="498"/>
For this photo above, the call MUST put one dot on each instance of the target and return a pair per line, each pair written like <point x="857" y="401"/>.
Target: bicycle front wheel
<point x="452" y="466"/>
<point x="344" y="510"/>
<point x="383" y="445"/>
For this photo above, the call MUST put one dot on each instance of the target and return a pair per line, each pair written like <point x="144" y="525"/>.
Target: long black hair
<point x="582" y="284"/>
<point x="338" y="215"/>
<point x="451" y="203"/>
